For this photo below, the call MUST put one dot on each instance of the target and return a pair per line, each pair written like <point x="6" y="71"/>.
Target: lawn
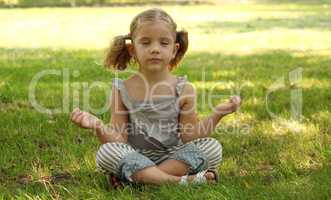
<point x="276" y="56"/>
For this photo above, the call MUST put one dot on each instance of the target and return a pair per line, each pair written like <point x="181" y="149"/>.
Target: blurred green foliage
<point x="33" y="3"/>
<point x="73" y="3"/>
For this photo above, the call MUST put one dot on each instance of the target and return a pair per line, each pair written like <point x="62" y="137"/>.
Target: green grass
<point x="244" y="46"/>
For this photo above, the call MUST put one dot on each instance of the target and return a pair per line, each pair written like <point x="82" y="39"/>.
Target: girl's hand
<point x="85" y="119"/>
<point x="229" y="107"/>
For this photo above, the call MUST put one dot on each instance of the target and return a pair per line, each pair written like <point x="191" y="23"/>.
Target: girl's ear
<point x="176" y="47"/>
<point x="130" y="49"/>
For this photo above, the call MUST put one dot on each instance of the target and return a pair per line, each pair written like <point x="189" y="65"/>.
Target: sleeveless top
<point x="153" y="124"/>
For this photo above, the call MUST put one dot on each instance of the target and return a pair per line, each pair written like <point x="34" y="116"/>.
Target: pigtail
<point x="182" y="39"/>
<point x="117" y="55"/>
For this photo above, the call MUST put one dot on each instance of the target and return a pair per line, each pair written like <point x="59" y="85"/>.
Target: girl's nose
<point x="155" y="49"/>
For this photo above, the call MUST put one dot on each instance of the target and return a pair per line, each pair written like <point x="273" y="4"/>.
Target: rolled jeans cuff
<point x="132" y="163"/>
<point x="193" y="156"/>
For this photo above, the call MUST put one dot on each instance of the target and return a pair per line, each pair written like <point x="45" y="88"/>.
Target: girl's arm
<point x="209" y="123"/>
<point x="116" y="131"/>
<point x="191" y="127"/>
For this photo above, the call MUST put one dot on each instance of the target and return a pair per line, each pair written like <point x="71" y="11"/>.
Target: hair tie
<point x="127" y="36"/>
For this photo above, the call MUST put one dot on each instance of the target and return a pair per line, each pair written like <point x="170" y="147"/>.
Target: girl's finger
<point x="80" y="117"/>
<point x="236" y="99"/>
<point x="73" y="112"/>
<point x="76" y="115"/>
<point x="239" y="100"/>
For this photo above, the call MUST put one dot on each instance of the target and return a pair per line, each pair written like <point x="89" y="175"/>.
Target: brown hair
<point x="118" y="56"/>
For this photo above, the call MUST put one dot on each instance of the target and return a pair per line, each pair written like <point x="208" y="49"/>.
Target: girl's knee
<point x="216" y="148"/>
<point x="215" y="153"/>
<point x="215" y="144"/>
<point x="213" y="149"/>
<point x="107" y="158"/>
<point x="104" y="150"/>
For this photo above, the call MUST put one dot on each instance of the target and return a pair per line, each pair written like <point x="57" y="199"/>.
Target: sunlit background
<point x="228" y="28"/>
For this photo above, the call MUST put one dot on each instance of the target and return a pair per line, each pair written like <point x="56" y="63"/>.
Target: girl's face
<point x="154" y="45"/>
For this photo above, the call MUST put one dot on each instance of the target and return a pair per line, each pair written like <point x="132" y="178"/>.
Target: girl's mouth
<point x="155" y="60"/>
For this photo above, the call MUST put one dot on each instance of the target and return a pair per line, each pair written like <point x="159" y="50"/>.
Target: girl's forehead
<point x="155" y="28"/>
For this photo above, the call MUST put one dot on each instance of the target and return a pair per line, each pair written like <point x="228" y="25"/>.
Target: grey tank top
<point x="153" y="124"/>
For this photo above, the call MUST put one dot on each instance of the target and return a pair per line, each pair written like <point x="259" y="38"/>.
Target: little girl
<point x="155" y="140"/>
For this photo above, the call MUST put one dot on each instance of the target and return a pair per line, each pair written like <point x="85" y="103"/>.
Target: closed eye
<point x="145" y="43"/>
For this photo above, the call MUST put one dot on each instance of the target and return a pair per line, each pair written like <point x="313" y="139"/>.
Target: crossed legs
<point x="169" y="171"/>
